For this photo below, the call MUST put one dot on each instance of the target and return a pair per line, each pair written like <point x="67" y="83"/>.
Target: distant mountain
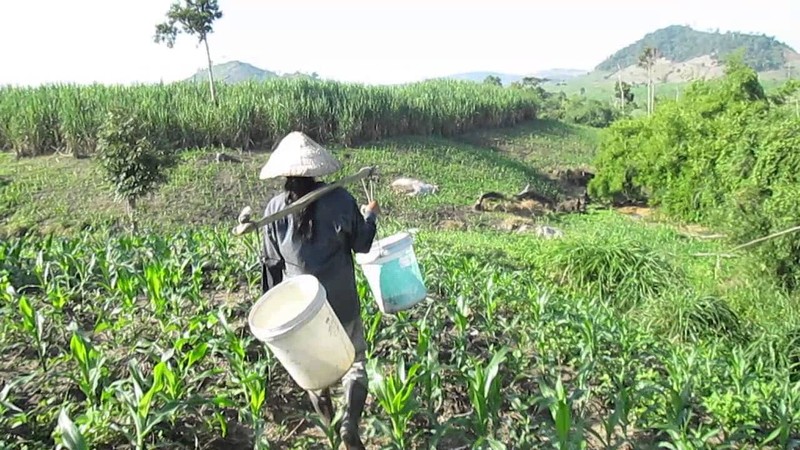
<point x="560" y="74"/>
<point x="507" y="78"/>
<point x="682" y="44"/>
<point x="237" y="72"/>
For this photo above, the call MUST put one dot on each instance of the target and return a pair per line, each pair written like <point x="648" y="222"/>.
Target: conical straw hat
<point x="297" y="155"/>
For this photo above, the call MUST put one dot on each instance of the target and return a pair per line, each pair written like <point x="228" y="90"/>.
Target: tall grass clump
<point x="690" y="316"/>
<point x="250" y="115"/>
<point x="620" y="271"/>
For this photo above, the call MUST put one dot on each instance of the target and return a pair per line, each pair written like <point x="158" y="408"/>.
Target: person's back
<point x="338" y="229"/>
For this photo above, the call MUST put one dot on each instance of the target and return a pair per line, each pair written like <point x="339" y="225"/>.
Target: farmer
<point x="318" y="240"/>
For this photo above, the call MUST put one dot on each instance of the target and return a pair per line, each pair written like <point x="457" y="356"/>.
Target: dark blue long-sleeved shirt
<point x="339" y="229"/>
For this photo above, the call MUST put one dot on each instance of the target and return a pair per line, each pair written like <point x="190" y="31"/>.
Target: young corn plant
<point x="251" y="378"/>
<point x="787" y="415"/>
<point x="430" y="376"/>
<point x="128" y="285"/>
<point x="254" y="383"/>
<point x="490" y="300"/>
<point x="394" y="393"/>
<point x="154" y="278"/>
<point x="615" y="429"/>
<point x="91" y="368"/>
<point x="11" y="415"/>
<point x="33" y="324"/>
<point x="483" y="386"/>
<point x="568" y="435"/>
<point x="42" y="269"/>
<point x="68" y="434"/>
<point x="140" y="397"/>
<point x="334" y="440"/>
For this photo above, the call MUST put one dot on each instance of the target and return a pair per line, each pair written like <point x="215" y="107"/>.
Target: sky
<point x="375" y="41"/>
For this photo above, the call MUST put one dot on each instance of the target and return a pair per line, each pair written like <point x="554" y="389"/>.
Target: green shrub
<point x="724" y="155"/>
<point x="131" y="161"/>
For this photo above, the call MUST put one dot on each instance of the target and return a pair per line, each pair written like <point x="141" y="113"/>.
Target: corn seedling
<point x="33" y="324"/>
<point x="394" y="393"/>
<point x="71" y="438"/>
<point x="91" y="366"/>
<point x="141" y="401"/>
<point x="484" y="392"/>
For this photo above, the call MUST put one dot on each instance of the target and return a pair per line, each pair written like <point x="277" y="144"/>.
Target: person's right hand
<point x="373" y="207"/>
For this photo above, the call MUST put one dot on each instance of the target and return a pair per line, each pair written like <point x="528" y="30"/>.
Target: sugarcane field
<point x="384" y="256"/>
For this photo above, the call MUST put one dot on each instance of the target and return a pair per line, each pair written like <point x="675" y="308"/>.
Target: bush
<point x="130" y="160"/>
<point x="725" y="156"/>
<point x="578" y="110"/>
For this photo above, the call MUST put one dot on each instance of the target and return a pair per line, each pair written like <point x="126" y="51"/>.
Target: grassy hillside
<point x="202" y="192"/>
<point x="600" y="86"/>
<point x="681" y="43"/>
<point x="686" y="55"/>
<point x="615" y="335"/>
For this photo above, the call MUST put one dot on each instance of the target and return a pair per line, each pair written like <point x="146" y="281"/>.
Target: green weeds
<point x="145" y="345"/>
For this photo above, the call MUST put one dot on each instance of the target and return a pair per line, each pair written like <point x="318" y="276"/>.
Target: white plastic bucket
<point x="298" y="325"/>
<point x="393" y="273"/>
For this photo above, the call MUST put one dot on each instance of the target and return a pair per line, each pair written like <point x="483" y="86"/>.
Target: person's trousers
<point x="357" y="374"/>
<point x="358" y="371"/>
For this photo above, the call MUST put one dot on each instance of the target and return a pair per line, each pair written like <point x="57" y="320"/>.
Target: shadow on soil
<point x="538" y="180"/>
<point x="545" y="128"/>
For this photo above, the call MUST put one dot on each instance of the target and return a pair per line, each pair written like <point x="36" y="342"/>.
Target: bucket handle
<point x="370" y="194"/>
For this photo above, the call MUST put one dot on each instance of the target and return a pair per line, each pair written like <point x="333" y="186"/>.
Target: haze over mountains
<point x="685" y="54"/>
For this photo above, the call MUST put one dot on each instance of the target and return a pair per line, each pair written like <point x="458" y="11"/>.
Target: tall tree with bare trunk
<point x="195" y="18"/>
<point x="648" y="60"/>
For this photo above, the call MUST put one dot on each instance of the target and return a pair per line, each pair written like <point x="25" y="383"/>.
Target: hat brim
<point x="297" y="155"/>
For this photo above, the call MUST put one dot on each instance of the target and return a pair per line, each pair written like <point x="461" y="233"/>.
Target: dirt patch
<point x="451" y="225"/>
<point x="636" y="212"/>
<point x="572" y="181"/>
<point x="524" y="208"/>
<point x="698" y="231"/>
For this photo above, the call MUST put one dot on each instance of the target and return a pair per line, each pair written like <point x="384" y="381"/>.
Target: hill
<point x="238" y="72"/>
<point x="560" y="74"/>
<point x="682" y="44"/>
<point x="505" y="78"/>
<point x="685" y="55"/>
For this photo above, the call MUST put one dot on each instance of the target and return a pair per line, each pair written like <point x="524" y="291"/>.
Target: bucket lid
<point x="385" y="246"/>
<point x="268" y="319"/>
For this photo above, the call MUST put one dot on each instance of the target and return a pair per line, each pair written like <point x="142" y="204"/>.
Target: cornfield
<point x="141" y="342"/>
<point x="65" y="118"/>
